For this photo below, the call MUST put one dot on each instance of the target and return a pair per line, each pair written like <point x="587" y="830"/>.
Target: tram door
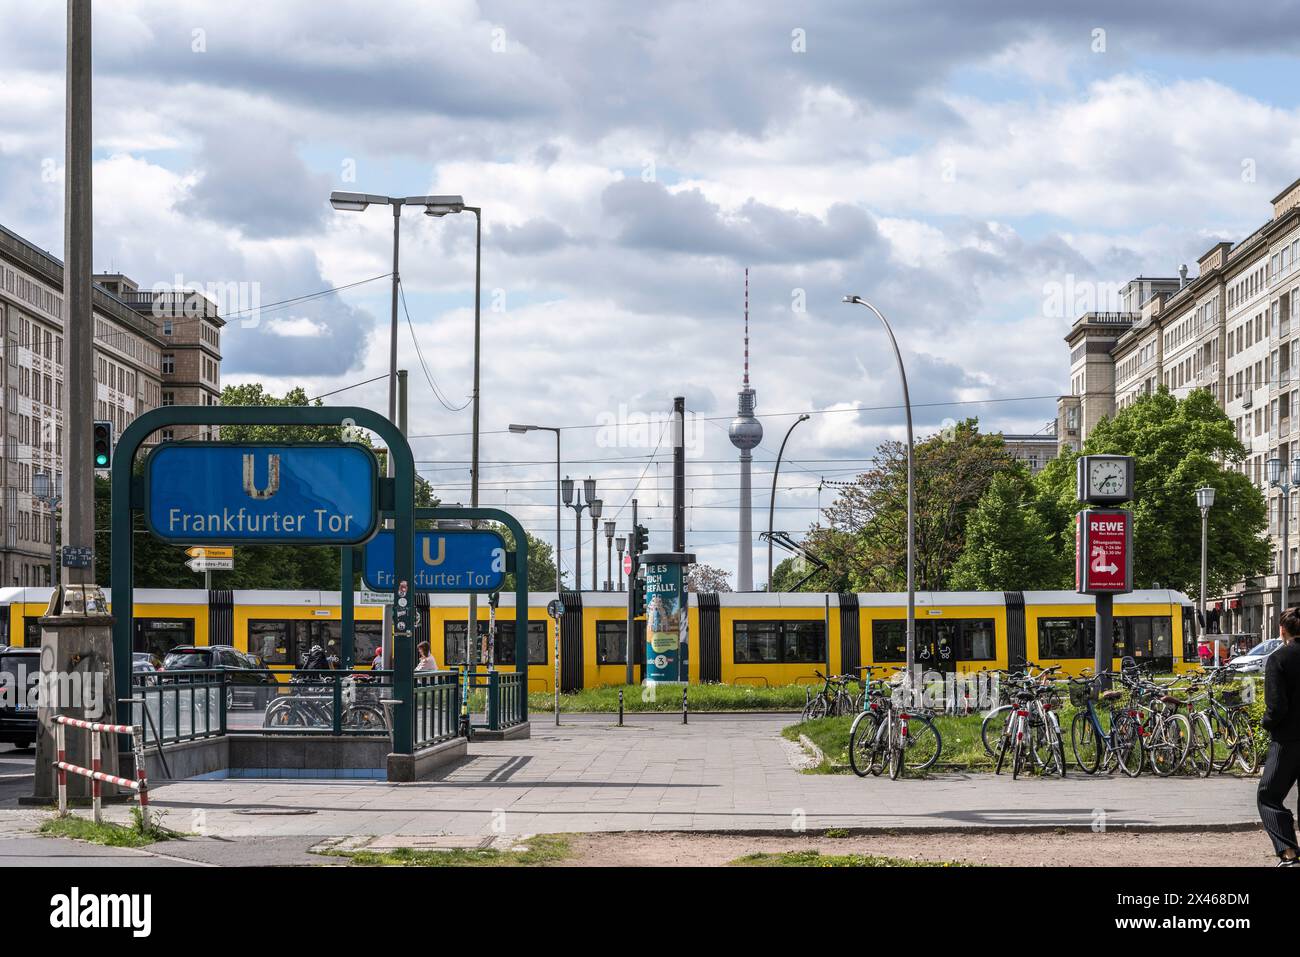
<point x="936" y="645"/>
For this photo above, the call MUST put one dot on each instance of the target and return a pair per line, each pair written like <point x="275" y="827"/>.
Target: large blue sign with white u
<point x="470" y="560"/>
<point x="323" y="494"/>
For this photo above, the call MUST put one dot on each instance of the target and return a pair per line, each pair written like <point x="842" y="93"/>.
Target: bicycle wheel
<point x="1200" y="748"/>
<point x="363" y="718"/>
<point x="1126" y="744"/>
<point x="1086" y="743"/>
<point x="1057" y="742"/>
<point x="1004" y="745"/>
<point x="817" y="707"/>
<point x="893" y="750"/>
<point x="1247" y="747"/>
<point x="283" y="714"/>
<point x="862" y="742"/>
<point x="1021" y="754"/>
<point x="1224" y="743"/>
<point x="922" y="746"/>
<point x="879" y="746"/>
<point x="1167" y="744"/>
<point x="993" y="727"/>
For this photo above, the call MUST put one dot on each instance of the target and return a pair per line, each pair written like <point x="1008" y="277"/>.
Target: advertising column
<point x="667" y="622"/>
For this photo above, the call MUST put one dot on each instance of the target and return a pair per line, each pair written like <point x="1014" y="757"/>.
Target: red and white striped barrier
<point x="97" y="776"/>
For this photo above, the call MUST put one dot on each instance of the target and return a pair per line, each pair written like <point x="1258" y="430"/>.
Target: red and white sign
<point x="1103" y="559"/>
<point x="627" y="564"/>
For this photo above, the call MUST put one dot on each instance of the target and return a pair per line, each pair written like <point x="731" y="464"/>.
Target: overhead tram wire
<point x="437" y="393"/>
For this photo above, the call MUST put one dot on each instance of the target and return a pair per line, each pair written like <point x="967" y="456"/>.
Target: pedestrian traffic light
<point x="638" y="597"/>
<point x="640" y="539"/>
<point x="102" y="446"/>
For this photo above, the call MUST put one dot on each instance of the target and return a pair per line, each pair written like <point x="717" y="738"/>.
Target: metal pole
<point x="558" y="512"/>
<point x="1205" y="523"/>
<point x="79" y="328"/>
<point x="577" y="544"/>
<point x="54" y="549"/>
<point x="392" y="338"/>
<point x="609" y="563"/>
<point x="1286" y="551"/>
<point x="471" y="632"/>
<point x="771" y="505"/>
<point x="595" y="552"/>
<point x="631" y="591"/>
<point x="911" y="496"/>
<point x="679" y="474"/>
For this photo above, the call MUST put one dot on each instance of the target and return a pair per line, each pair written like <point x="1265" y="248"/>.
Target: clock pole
<point x="1104" y="480"/>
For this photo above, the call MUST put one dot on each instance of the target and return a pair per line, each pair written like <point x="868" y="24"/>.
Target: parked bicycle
<point x="1113" y="743"/>
<point x="834" y="698"/>
<point x="889" y="734"/>
<point x="310" y="703"/>
<point x="1031" y="733"/>
<point x="1232" y="732"/>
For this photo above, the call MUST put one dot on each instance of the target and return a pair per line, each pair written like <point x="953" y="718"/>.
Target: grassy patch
<point x="817" y="859"/>
<point x="106" y="833"/>
<point x="668" y="698"/>
<point x="541" y="850"/>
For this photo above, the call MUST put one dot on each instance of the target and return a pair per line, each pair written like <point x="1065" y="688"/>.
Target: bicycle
<point x="1167" y="733"/>
<point x="308" y="705"/>
<point x="994" y="724"/>
<point x="1096" y="746"/>
<point x="862" y="733"/>
<point x="833" y="699"/>
<point x="1232" y="732"/>
<point x="1032" y="732"/>
<point x="903" y="739"/>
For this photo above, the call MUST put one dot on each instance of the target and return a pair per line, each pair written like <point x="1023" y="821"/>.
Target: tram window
<point x="1144" y="636"/>
<point x="1191" y="649"/>
<point x="453" y="642"/>
<point x="803" y="641"/>
<point x="505" y="643"/>
<point x="889" y="641"/>
<point x="977" y="641"/>
<point x="31" y="632"/>
<point x="611" y="641"/>
<point x="365" y="641"/>
<point x="757" y="642"/>
<point x="779" y="642"/>
<point x="269" y="640"/>
<point x="158" y="636"/>
<point x="1065" y="638"/>
<point x="327" y="634"/>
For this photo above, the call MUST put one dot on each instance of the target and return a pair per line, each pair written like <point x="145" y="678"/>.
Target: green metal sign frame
<point x="396" y="497"/>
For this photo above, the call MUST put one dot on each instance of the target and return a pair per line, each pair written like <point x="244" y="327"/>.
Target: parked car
<point x="246" y="683"/>
<point x="1253" y="661"/>
<point x="21" y="668"/>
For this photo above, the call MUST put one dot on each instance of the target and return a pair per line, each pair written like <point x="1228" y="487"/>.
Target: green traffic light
<point x="101" y="460"/>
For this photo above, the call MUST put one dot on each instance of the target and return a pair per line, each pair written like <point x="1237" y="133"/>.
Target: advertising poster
<point x="666" y="622"/>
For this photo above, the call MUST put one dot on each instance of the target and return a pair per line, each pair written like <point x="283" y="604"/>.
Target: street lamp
<point x="519" y="430"/>
<point x="50" y="494"/>
<point x="911" y="499"/>
<point x="619" y="544"/>
<point x="1204" y="501"/>
<point x="589" y="490"/>
<point x="771" y="505"/>
<point x="597" y="506"/>
<point x="609" y="555"/>
<point x="1284" y="484"/>
<point x="358" y="202"/>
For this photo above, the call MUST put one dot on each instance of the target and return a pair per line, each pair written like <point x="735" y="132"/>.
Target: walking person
<point x="426" y="662"/>
<point x="1282" y="722"/>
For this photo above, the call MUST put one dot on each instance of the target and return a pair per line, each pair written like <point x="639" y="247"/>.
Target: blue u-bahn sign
<point x="322" y="493"/>
<point x="471" y="560"/>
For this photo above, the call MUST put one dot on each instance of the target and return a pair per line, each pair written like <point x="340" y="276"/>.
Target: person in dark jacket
<point x="1282" y="722"/>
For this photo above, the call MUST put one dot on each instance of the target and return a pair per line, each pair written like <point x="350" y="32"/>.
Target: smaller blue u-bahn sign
<point x="317" y="494"/>
<point x="457" y="560"/>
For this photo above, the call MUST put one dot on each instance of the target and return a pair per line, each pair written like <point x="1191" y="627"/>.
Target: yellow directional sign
<point x="210" y="551"/>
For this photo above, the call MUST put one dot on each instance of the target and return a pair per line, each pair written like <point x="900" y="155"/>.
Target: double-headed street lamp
<point x="619" y="543"/>
<point x="1284" y="484"/>
<point x="609" y="555"/>
<point x="595" y="505"/>
<point x="911" y="500"/>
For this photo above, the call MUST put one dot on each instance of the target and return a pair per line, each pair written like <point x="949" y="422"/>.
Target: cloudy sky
<point x="959" y="164"/>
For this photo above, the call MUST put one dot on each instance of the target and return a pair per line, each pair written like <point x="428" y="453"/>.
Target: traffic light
<point x="102" y="447"/>
<point x="638" y="597"/>
<point x="640" y="539"/>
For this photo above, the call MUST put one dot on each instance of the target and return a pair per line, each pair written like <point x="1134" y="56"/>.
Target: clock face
<point x="1108" y="478"/>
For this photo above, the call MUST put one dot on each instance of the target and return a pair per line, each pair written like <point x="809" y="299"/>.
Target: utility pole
<point x="631" y="601"/>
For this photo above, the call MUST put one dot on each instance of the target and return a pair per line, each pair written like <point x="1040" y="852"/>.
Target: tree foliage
<point x="1008" y="544"/>
<point x="707" y="578"/>
<point x="864" y="538"/>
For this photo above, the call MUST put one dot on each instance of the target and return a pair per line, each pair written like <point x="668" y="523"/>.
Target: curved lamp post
<point x="771" y="506"/>
<point x="911" y="500"/>
<point x="1284" y="484"/>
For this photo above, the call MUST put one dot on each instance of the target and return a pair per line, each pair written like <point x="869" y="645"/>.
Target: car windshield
<point x="1265" y="647"/>
<point x="187" y="659"/>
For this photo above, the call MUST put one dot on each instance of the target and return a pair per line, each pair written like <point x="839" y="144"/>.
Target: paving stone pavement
<point x="719" y="773"/>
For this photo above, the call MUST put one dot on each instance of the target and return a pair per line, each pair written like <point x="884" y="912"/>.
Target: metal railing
<point x="179" y="705"/>
<point x="437" y="705"/>
<point x="505" y="698"/>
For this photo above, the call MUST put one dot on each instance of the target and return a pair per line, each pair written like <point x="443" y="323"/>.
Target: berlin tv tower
<point x="745" y="432"/>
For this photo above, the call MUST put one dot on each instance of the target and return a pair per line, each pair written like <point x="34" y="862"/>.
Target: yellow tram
<point x="755" y="638"/>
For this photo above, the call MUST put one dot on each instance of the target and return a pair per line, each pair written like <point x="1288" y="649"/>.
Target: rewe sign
<point x="1103" y="551"/>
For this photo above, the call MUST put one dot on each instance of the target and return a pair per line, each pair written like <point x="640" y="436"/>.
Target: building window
<point x="168" y="398"/>
<point x="169" y="435"/>
<point x="168" y="363"/>
<point x="167" y="327"/>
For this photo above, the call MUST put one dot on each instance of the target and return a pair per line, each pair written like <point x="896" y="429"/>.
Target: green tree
<point x="707" y="578"/>
<point x="1008" y="544"/>
<point x="1178" y="446"/>
<point x="864" y="538"/>
<point x="541" y="562"/>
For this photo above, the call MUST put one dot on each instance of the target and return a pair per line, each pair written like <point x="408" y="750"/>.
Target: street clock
<point x="1105" y="479"/>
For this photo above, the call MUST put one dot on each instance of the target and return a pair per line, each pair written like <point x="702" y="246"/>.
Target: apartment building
<point x="1230" y="330"/>
<point x="1034" y="450"/>
<point x="130" y="350"/>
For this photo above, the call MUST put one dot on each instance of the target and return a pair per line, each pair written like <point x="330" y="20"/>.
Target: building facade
<point x="130" y="378"/>
<point x="1033" y="451"/>
<point x="1231" y="330"/>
